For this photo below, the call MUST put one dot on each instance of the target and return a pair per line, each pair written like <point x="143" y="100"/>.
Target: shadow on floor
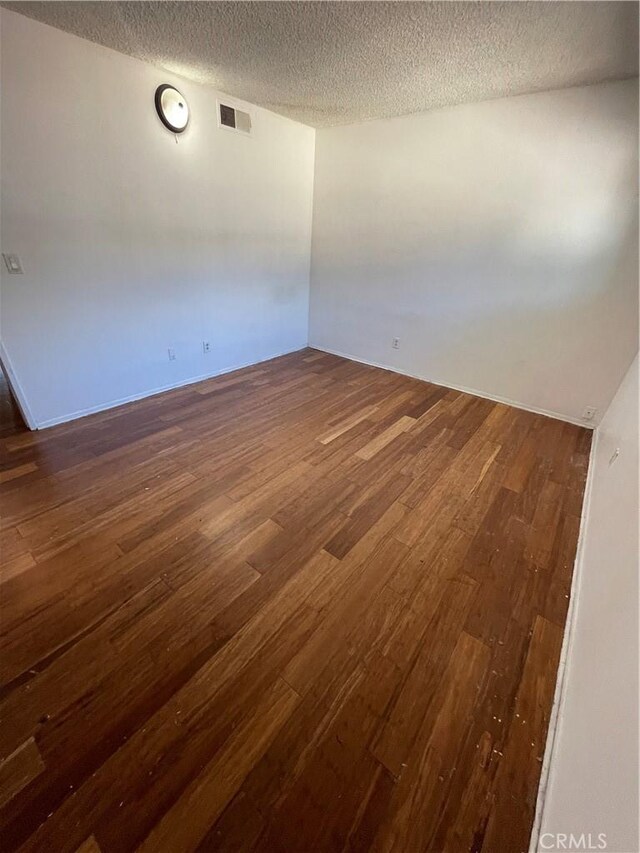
<point x="11" y="421"/>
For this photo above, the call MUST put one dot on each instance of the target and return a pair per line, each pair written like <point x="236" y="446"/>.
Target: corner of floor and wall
<point x="149" y="261"/>
<point x="589" y="784"/>
<point x="489" y="247"/>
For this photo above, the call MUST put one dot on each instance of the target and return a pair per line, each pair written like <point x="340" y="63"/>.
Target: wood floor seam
<point x="310" y="605"/>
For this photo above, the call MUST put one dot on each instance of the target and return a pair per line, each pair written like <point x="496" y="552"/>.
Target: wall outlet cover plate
<point x="13" y="264"/>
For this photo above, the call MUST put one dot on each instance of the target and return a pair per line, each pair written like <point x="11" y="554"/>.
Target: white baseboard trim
<point x="576" y="581"/>
<point x="112" y="404"/>
<point x="559" y="698"/>
<point x="494" y="397"/>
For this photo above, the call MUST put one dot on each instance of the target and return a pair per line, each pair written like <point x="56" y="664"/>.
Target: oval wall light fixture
<point x="172" y="108"/>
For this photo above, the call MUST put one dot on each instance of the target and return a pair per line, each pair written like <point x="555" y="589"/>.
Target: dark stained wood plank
<point x="515" y="788"/>
<point x="184" y="825"/>
<point x="18" y="769"/>
<point x="425" y="777"/>
<point x="308" y="605"/>
<point x="238" y="829"/>
<point x="427" y="664"/>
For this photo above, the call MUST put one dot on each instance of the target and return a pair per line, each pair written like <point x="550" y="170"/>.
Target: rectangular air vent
<point x="233" y="119"/>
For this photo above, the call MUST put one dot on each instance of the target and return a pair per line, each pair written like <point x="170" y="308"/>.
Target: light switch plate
<point x="12" y="263"/>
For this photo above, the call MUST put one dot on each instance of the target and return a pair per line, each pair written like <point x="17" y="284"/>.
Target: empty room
<point x="319" y="446"/>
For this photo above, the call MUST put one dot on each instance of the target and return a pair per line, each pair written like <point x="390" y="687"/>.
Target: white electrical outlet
<point x="395" y="343"/>
<point x="206" y="347"/>
<point x="589" y="413"/>
<point x="13" y="263"/>
<point x="172" y="354"/>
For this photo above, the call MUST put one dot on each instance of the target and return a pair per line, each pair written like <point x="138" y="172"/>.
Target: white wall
<point x="593" y="782"/>
<point x="131" y="243"/>
<point x="497" y="240"/>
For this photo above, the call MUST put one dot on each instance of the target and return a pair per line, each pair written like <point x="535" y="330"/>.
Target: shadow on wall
<point x="456" y="333"/>
<point x="498" y="241"/>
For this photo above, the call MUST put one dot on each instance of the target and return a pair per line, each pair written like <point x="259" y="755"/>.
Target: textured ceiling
<point x="336" y="63"/>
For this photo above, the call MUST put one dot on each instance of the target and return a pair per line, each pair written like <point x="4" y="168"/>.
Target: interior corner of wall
<point x="17" y="388"/>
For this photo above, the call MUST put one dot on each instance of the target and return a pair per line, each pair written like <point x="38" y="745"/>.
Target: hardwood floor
<point x="307" y="606"/>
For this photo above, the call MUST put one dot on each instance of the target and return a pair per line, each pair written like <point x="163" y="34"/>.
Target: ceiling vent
<point x="231" y="118"/>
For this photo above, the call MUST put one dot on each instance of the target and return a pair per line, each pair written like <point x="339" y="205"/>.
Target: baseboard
<point x="576" y="581"/>
<point x="113" y="404"/>
<point x="559" y="697"/>
<point x="494" y="397"/>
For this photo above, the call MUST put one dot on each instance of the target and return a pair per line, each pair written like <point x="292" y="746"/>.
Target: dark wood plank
<point x="309" y="605"/>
